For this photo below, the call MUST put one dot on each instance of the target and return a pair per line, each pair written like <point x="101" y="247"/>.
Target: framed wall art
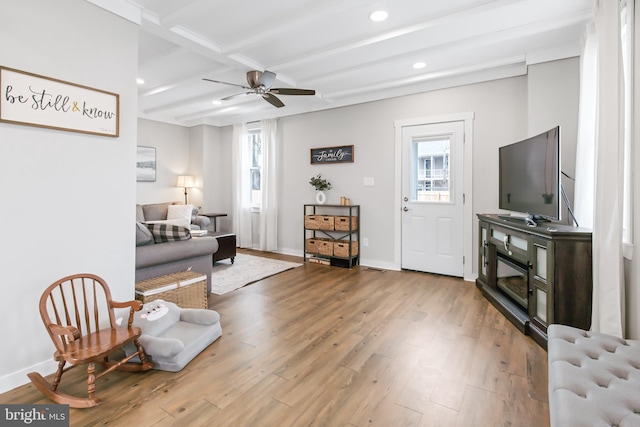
<point x="146" y="164"/>
<point x="34" y="100"/>
<point x="329" y="155"/>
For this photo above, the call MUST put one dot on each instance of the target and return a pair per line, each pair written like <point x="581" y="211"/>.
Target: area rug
<point x="246" y="269"/>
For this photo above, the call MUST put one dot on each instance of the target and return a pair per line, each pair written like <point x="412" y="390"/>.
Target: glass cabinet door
<point x="541" y="283"/>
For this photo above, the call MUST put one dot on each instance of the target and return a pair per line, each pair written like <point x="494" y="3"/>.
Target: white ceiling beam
<point x="122" y="8"/>
<point x="479" y="7"/>
<point x="449" y="72"/>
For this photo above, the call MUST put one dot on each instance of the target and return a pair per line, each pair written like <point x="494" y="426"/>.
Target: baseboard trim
<point x="19" y="378"/>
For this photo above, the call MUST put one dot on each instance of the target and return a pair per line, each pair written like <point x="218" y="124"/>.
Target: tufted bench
<point x="594" y="379"/>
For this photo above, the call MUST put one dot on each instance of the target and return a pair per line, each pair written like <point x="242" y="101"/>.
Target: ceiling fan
<point x="260" y="84"/>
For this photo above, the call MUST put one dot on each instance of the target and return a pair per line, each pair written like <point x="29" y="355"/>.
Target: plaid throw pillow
<point x="168" y="232"/>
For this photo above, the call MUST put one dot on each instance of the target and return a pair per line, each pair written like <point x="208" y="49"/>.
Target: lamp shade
<point x="185" y="181"/>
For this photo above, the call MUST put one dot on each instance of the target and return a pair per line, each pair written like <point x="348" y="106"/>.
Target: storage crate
<point x="319" y="222"/>
<point x="186" y="289"/>
<point x="325" y="247"/>
<point x="342" y="223"/>
<point x="341" y="248"/>
<point x="311" y="222"/>
<point x="312" y="245"/>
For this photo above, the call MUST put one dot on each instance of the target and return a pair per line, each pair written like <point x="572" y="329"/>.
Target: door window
<point x="431" y="172"/>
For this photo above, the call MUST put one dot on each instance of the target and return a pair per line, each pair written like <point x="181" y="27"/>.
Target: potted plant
<point x="320" y="184"/>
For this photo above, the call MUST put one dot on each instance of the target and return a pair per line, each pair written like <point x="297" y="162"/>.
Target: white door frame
<point x="467" y="186"/>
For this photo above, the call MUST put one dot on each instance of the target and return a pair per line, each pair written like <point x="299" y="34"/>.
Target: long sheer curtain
<point x="241" y="185"/>
<point x="269" y="205"/>
<point x="599" y="165"/>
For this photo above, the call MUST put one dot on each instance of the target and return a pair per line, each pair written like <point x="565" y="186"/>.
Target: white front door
<point x="432" y="198"/>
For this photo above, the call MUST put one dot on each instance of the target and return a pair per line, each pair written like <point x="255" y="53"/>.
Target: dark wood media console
<point x="538" y="275"/>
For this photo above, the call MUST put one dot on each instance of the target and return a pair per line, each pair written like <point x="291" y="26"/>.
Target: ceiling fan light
<point x="419" y="65"/>
<point x="378" y="16"/>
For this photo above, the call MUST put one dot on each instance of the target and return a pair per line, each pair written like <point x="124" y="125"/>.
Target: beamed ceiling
<point x="332" y="47"/>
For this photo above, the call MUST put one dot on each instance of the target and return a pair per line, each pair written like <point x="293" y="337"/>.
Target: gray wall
<point x="506" y="111"/>
<point x="68" y="198"/>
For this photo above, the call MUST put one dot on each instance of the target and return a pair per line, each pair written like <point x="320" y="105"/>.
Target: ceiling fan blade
<point x="226" y="83"/>
<point x="292" y="91"/>
<point x="226" y="98"/>
<point x="273" y="100"/>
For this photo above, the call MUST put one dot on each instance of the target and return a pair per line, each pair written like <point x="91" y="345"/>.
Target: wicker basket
<point x="312" y="245"/>
<point x="342" y="223"/>
<point x="319" y="222"/>
<point x="341" y="248"/>
<point x="325" y="247"/>
<point x="186" y="289"/>
<point x="311" y="222"/>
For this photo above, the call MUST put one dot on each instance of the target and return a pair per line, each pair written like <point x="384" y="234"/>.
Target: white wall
<point x="67" y="197"/>
<point x="554" y="90"/>
<point x="370" y="128"/>
<point x="172" y="159"/>
<point x="210" y="160"/>
<point x="505" y="111"/>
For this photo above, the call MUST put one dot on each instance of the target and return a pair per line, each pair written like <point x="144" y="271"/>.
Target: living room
<point x="82" y="188"/>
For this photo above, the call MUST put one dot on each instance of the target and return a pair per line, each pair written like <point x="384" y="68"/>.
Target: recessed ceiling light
<point x="216" y="102"/>
<point x="418" y="65"/>
<point x="378" y="16"/>
<point x="139" y="81"/>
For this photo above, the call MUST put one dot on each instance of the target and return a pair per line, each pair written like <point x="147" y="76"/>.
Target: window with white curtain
<point x="626" y="44"/>
<point x="255" y="168"/>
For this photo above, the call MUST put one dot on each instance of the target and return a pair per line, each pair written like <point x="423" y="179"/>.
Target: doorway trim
<point x="467" y="185"/>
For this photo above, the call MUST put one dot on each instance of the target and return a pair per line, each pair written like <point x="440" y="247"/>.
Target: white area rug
<point x="247" y="269"/>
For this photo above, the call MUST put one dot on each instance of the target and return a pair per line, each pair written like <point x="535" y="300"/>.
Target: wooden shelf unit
<point x="331" y="234"/>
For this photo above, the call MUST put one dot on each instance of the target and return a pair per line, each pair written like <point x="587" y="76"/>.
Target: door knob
<point x="405" y="209"/>
<point x="406" y="199"/>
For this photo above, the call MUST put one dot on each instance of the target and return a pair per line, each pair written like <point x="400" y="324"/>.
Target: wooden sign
<point x="326" y="155"/>
<point x="33" y="100"/>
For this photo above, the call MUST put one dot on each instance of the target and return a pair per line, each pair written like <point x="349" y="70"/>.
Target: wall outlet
<point x="365" y="241"/>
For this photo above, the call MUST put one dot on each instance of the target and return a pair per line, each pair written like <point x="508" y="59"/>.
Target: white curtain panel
<point x="587" y="113"/>
<point x="242" y="200"/>
<point x="269" y="187"/>
<point x="599" y="165"/>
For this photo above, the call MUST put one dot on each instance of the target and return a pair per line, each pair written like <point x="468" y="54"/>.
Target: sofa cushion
<point x="155" y="211"/>
<point x="181" y="213"/>
<point x="194" y="213"/>
<point x="143" y="235"/>
<point x="172" y="252"/>
<point x="168" y="232"/>
<point x="139" y="213"/>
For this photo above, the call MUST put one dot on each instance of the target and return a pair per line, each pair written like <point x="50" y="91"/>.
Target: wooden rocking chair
<point x="73" y="309"/>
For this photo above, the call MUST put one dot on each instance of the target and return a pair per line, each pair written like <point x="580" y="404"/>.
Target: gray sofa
<point x="157" y="259"/>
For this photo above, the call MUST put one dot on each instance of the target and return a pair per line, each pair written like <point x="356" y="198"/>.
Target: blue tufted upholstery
<point x="594" y="379"/>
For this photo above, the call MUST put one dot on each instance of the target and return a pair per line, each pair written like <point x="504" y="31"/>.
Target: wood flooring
<point x="328" y="346"/>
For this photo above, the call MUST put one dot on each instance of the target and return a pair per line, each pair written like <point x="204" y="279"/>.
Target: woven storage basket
<point x="326" y="222"/>
<point x="325" y="247"/>
<point x="311" y="222"/>
<point x="342" y="223"/>
<point x="312" y="245"/>
<point x="186" y="289"/>
<point x="341" y="248"/>
<point x="319" y="222"/>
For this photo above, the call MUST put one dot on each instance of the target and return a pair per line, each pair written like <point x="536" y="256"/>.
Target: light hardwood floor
<point x="327" y="346"/>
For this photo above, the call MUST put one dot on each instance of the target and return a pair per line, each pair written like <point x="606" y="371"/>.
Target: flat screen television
<point x="530" y="176"/>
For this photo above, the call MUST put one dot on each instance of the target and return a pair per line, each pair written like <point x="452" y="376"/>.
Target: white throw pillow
<point x="180" y="213"/>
